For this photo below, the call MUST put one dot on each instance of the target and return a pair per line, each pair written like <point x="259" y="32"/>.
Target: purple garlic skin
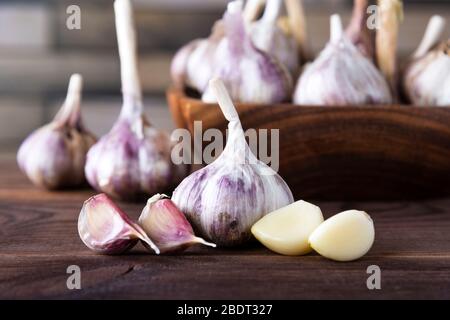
<point x="357" y="31"/>
<point x="54" y="155"/>
<point x="133" y="160"/>
<point x="249" y="74"/>
<point x="341" y="75"/>
<point x="167" y="226"/>
<point x="106" y="229"/>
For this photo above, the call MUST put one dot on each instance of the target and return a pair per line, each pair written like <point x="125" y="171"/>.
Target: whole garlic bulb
<point x="54" y="156"/>
<point x="358" y="32"/>
<point x="224" y="199"/>
<point x="270" y="38"/>
<point x="427" y="78"/>
<point x="134" y="158"/>
<point x="341" y="75"/>
<point x="249" y="74"/>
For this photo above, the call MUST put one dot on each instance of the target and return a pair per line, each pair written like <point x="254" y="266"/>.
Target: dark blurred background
<point x="38" y="53"/>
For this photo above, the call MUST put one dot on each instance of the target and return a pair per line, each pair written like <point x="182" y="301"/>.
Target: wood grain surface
<point x="352" y="153"/>
<point x="39" y="240"/>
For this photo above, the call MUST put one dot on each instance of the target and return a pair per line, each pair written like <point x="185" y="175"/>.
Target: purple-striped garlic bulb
<point x="224" y="199"/>
<point x="270" y="38"/>
<point x="426" y="80"/>
<point x="249" y="74"/>
<point x="341" y="75"/>
<point x="54" y="155"/>
<point x="134" y="158"/>
<point x="167" y="226"/>
<point x="105" y="228"/>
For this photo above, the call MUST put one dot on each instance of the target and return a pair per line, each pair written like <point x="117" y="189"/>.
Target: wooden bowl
<point x="348" y="152"/>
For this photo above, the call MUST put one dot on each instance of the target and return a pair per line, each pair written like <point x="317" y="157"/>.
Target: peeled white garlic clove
<point x="426" y="81"/>
<point x="224" y="199"/>
<point x="167" y="226"/>
<point x="346" y="236"/>
<point x="54" y="156"/>
<point x="249" y="74"/>
<point x="270" y="38"/>
<point x="106" y="229"/>
<point x="134" y="158"/>
<point x="341" y="75"/>
<point x="358" y="32"/>
<point x="287" y="230"/>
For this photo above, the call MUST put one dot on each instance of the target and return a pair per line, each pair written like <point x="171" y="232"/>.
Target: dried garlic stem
<point x="126" y="37"/>
<point x="297" y="21"/>
<point x="253" y="9"/>
<point x="390" y="14"/>
<point x="336" y="30"/>
<point x="272" y="11"/>
<point x="433" y="34"/>
<point x="70" y="112"/>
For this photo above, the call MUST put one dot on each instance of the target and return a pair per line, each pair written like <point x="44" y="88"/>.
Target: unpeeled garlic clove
<point x="426" y="80"/>
<point x="287" y="230"/>
<point x="249" y="74"/>
<point x="341" y="75"/>
<point x="54" y="156"/>
<point x="106" y="229"/>
<point x="270" y="38"/>
<point x="346" y="236"/>
<point x="167" y="226"/>
<point x="134" y="159"/>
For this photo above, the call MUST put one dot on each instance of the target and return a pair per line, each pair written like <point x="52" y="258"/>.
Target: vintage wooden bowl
<point x="345" y="153"/>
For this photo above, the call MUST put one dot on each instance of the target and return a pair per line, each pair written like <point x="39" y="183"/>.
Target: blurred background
<point x="38" y="53"/>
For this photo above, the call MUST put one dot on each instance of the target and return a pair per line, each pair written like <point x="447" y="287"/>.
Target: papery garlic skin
<point x="105" y="228"/>
<point x="134" y="158"/>
<point x="167" y="226"/>
<point x="224" y="199"/>
<point x="341" y="75"/>
<point x="54" y="156"/>
<point x="270" y="38"/>
<point x="249" y="74"/>
<point x="178" y="67"/>
<point x="427" y="80"/>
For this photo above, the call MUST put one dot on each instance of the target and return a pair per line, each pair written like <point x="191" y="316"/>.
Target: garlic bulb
<point x="133" y="159"/>
<point x="224" y="199"/>
<point x="193" y="65"/>
<point x="270" y="38"/>
<point x="358" y="32"/>
<point x="54" y="155"/>
<point x="167" y="226"/>
<point x="427" y="78"/>
<point x="341" y="75"/>
<point x="249" y="74"/>
<point x="105" y="228"/>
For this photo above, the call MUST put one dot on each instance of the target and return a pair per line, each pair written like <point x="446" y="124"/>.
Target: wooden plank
<point x="39" y="240"/>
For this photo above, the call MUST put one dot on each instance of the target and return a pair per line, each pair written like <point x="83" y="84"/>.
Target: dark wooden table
<point x="39" y="240"/>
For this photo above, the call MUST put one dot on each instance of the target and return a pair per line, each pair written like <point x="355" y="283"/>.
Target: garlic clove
<point x="341" y="75"/>
<point x="270" y="38"/>
<point x="167" y="226"/>
<point x="106" y="229"/>
<point x="54" y="156"/>
<point x="224" y="199"/>
<point x="134" y="158"/>
<point x="427" y="77"/>
<point x="286" y="230"/>
<point x="346" y="236"/>
<point x="358" y="32"/>
<point x="249" y="74"/>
